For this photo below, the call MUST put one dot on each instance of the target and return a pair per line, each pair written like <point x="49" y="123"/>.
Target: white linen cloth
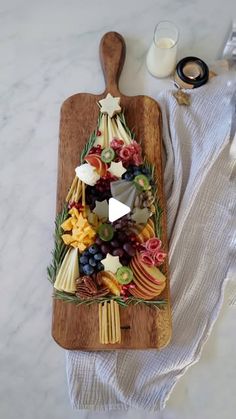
<point x="200" y="190"/>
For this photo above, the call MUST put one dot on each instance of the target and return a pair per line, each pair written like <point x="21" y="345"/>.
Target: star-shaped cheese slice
<point x="117" y="169"/>
<point x="101" y="209"/>
<point x="110" y="105"/>
<point x="140" y="216"/>
<point x="111" y="263"/>
<point x="182" y="98"/>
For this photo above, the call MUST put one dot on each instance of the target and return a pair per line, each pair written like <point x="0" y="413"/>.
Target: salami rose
<point x="159" y="257"/>
<point x="153" y="244"/>
<point x="147" y="258"/>
<point x="116" y="144"/>
<point x="125" y="153"/>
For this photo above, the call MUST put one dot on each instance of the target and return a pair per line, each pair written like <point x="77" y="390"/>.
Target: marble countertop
<point x="49" y="50"/>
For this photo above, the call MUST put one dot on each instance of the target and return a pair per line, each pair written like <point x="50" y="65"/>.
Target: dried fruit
<point x="110" y="281"/>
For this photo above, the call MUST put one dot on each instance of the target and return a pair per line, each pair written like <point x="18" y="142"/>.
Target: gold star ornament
<point x="110" y="105"/>
<point x="182" y="98"/>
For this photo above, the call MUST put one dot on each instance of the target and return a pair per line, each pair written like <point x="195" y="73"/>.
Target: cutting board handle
<point x="112" y="57"/>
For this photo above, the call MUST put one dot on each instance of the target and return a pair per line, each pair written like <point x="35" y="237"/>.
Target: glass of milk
<point x="161" y="56"/>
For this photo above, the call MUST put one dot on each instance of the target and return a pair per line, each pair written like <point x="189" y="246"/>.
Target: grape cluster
<point x="120" y="245"/>
<point x="100" y="191"/>
<point x="123" y="223"/>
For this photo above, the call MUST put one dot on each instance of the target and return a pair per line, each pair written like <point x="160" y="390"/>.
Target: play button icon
<point x="117" y="209"/>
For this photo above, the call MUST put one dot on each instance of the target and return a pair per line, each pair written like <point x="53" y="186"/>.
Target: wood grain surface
<point x="141" y="326"/>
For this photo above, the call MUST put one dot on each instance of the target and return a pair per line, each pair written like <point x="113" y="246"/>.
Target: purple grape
<point x="125" y="260"/>
<point x="121" y="237"/>
<point x="105" y="248"/>
<point x="118" y="252"/>
<point x="115" y="243"/>
<point x="117" y="225"/>
<point x="128" y="248"/>
<point x="98" y="241"/>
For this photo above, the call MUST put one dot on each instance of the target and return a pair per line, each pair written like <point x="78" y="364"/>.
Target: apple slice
<point x="150" y="230"/>
<point x="136" y="293"/>
<point x="150" y="286"/>
<point x="151" y="224"/>
<point x="140" y="288"/>
<point x="156" y="277"/>
<point x="151" y="272"/>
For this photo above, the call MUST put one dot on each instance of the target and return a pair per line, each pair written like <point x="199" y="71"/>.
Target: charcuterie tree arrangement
<point x="108" y="240"/>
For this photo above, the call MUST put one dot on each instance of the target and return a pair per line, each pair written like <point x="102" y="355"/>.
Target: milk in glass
<point x="161" y="57"/>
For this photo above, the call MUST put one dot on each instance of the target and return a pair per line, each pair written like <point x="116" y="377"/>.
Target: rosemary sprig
<point x="157" y="219"/>
<point x="89" y="144"/>
<point x="158" y="209"/>
<point x="69" y="298"/>
<point x="60" y="248"/>
<point x="123" y="121"/>
<point x="151" y="169"/>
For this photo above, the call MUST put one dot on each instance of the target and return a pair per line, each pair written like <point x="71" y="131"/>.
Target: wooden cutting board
<point x="141" y="326"/>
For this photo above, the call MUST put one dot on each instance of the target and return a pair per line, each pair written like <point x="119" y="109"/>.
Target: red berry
<point x="98" y="133"/>
<point x="76" y="205"/>
<point x="132" y="237"/>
